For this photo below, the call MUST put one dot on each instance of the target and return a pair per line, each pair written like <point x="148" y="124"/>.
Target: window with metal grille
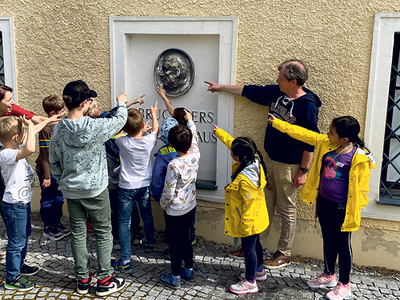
<point x="390" y="174"/>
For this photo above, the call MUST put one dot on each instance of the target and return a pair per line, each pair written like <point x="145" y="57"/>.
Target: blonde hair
<point x="92" y="107"/>
<point x="134" y="122"/>
<point x="10" y="126"/>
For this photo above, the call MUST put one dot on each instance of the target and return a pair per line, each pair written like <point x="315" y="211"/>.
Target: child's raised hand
<point x="154" y="108"/>
<point x="139" y="100"/>
<point x="188" y="115"/>
<point x="215" y="127"/>
<point x="122" y="98"/>
<point x="146" y="127"/>
<point x="161" y="91"/>
<point x="271" y="118"/>
<point x="25" y="121"/>
<point x="56" y="118"/>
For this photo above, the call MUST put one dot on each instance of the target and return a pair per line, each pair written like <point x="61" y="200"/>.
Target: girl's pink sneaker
<point x="340" y="292"/>
<point x="322" y="281"/>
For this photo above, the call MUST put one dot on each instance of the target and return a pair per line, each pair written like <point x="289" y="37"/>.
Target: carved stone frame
<point x="227" y="29"/>
<point x="386" y="24"/>
<point x="6" y="27"/>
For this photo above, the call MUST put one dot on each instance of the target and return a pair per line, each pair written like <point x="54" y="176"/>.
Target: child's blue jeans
<point x="51" y="202"/>
<point x="126" y="200"/>
<point x="2" y="189"/>
<point x="18" y="224"/>
<point x="135" y="220"/>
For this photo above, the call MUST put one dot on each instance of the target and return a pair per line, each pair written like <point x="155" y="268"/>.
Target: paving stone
<point x="140" y="294"/>
<point x="376" y="293"/>
<point x="153" y="292"/>
<point x="373" y="288"/>
<point x="215" y="272"/>
<point x="385" y="291"/>
<point x="367" y="281"/>
<point x="366" y="292"/>
<point x="393" y="287"/>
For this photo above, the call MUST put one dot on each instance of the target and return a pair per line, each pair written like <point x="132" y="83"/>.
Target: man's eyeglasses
<point x="89" y="100"/>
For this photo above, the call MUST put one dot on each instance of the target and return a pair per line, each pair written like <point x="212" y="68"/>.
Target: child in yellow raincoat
<point x="339" y="179"/>
<point x="246" y="214"/>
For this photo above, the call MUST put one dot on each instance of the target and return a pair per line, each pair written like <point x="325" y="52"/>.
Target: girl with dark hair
<point x="339" y="181"/>
<point x="9" y="108"/>
<point x="246" y="214"/>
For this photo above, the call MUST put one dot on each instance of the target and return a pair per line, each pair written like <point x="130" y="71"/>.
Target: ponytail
<point x="360" y="143"/>
<point x="262" y="163"/>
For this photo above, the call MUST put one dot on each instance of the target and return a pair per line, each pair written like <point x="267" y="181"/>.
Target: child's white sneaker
<point x="244" y="287"/>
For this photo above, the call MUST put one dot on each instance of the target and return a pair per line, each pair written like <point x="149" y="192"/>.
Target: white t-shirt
<point x="135" y="161"/>
<point x="18" y="175"/>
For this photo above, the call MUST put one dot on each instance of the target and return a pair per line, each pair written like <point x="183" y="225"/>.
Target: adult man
<point x="78" y="162"/>
<point x="288" y="160"/>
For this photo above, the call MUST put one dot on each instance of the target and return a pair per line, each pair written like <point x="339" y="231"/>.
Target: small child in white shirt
<point x="179" y="201"/>
<point x="20" y="177"/>
<point x="134" y="182"/>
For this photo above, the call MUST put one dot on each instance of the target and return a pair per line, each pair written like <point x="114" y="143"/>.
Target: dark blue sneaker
<point x="28" y="270"/>
<point x="188" y="274"/>
<point x="119" y="266"/>
<point x="20" y="284"/>
<point x="52" y="233"/>
<point x="149" y="247"/>
<point x="170" y="280"/>
<point x="64" y="231"/>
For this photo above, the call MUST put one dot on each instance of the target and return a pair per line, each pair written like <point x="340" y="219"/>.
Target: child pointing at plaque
<point x="246" y="214"/>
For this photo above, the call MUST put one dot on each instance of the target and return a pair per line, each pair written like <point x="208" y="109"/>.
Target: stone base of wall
<point x="371" y="246"/>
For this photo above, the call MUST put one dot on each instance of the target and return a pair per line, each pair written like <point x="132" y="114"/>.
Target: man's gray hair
<point x="294" y="69"/>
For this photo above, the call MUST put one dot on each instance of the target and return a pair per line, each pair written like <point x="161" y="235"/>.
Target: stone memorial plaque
<point x="147" y="52"/>
<point x="174" y="69"/>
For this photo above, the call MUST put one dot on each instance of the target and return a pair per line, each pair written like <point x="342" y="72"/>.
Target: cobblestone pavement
<point x="215" y="272"/>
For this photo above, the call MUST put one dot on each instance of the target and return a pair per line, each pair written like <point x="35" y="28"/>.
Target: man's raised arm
<point x="231" y="89"/>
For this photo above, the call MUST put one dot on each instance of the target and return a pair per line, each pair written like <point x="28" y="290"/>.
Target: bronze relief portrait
<point x="174" y="69"/>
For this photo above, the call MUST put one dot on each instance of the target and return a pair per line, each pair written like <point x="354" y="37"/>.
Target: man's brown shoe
<point x="277" y="261"/>
<point x="238" y="254"/>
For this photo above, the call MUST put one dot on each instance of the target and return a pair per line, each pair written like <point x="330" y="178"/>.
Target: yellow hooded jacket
<point x="361" y="163"/>
<point x="245" y="207"/>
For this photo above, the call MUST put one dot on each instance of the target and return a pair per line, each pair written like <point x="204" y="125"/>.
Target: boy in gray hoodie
<point x="78" y="163"/>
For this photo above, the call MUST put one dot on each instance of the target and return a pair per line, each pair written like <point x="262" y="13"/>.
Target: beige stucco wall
<point x="59" y="41"/>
